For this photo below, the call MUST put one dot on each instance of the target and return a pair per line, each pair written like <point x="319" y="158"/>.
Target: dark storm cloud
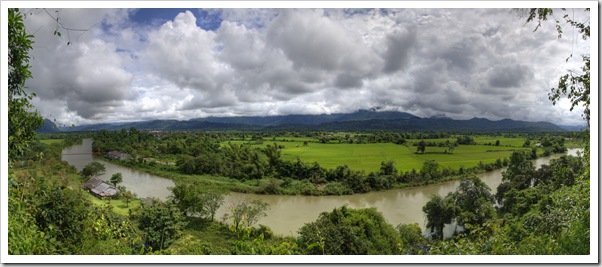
<point x="461" y="54"/>
<point x="346" y="80"/>
<point x="505" y="76"/>
<point x="399" y="47"/>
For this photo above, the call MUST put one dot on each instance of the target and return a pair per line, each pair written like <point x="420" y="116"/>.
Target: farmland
<point x="368" y="157"/>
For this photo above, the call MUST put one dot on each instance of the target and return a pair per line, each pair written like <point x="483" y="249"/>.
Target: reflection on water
<point x="289" y="213"/>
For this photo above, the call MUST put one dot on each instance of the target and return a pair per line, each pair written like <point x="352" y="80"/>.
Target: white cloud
<point x="462" y="62"/>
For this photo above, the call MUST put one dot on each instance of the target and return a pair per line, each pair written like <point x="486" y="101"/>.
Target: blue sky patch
<point x="208" y="20"/>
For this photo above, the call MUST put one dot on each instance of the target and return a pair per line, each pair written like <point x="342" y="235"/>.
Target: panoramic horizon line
<point x="442" y="116"/>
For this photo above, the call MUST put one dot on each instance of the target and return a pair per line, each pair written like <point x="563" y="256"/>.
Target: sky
<point x="184" y="63"/>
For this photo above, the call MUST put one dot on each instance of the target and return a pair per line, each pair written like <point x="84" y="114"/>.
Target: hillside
<point x="360" y="121"/>
<point x="48" y="127"/>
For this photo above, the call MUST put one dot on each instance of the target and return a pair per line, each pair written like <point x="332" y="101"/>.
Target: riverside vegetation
<point x="291" y="162"/>
<point x="539" y="211"/>
<point x="533" y="211"/>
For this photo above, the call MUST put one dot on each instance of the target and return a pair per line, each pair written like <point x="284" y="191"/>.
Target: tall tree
<point x="439" y="212"/>
<point x="473" y="201"/>
<point x="22" y="120"/>
<point x="116" y="178"/>
<point x="213" y="200"/>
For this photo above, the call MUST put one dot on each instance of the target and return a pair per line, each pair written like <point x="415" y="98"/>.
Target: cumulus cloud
<point x="224" y="62"/>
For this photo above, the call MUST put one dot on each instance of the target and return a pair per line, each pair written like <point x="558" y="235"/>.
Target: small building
<point x="118" y="155"/>
<point x="100" y="188"/>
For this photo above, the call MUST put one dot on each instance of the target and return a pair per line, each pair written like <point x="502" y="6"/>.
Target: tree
<point x="439" y="211"/>
<point x="212" y="201"/>
<point x="186" y="198"/>
<point x="421" y="146"/>
<point x="273" y="153"/>
<point x="94" y="168"/>
<point x="64" y="214"/>
<point x="192" y="199"/>
<point x="116" y="178"/>
<point x="520" y="172"/>
<point x="412" y="241"/>
<point x="246" y="212"/>
<point x="22" y="121"/>
<point x="527" y="143"/>
<point x="387" y="168"/>
<point x="451" y="147"/>
<point x="161" y="223"/>
<point x="127" y="197"/>
<point x="346" y="231"/>
<point x="473" y="201"/>
<point x="430" y="170"/>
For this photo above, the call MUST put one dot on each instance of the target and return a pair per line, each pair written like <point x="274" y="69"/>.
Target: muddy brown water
<point x="289" y="213"/>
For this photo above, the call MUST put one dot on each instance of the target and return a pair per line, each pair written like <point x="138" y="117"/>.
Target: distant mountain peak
<point x="440" y="116"/>
<point x="48" y="126"/>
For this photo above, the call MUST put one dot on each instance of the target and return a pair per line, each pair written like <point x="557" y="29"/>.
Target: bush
<point x="337" y="188"/>
<point x="346" y="231"/>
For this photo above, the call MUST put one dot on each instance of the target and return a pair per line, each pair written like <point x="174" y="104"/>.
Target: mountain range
<point x="360" y="121"/>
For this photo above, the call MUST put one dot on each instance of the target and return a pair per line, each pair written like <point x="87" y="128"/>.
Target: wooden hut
<point x="118" y="155"/>
<point x="100" y="188"/>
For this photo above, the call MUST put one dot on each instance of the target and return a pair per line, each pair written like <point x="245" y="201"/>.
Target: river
<point x="140" y="183"/>
<point x="289" y="213"/>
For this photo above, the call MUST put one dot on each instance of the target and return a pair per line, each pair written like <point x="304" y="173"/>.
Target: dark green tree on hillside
<point x="439" y="211"/>
<point x="473" y="201"/>
<point x="192" y="199"/>
<point x="94" y="168"/>
<point x="346" y="231"/>
<point x="22" y="119"/>
<point x="412" y="241"/>
<point x="161" y="223"/>
<point x="421" y="147"/>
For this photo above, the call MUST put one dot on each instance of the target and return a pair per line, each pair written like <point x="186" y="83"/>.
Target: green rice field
<point x="368" y="157"/>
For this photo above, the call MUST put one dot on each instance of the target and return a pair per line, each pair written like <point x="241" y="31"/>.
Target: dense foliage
<point x="23" y="121"/>
<point x="248" y="159"/>
<point x="550" y="216"/>
<point x="161" y="223"/>
<point x="346" y="231"/>
<point x="48" y="214"/>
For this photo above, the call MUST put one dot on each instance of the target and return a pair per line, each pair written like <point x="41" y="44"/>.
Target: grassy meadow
<point x="368" y="157"/>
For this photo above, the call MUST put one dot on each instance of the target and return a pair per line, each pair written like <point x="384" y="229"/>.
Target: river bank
<point x="289" y="212"/>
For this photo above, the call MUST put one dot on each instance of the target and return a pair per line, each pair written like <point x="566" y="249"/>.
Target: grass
<point x="368" y="157"/>
<point x="119" y="205"/>
<point x="51" y="141"/>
